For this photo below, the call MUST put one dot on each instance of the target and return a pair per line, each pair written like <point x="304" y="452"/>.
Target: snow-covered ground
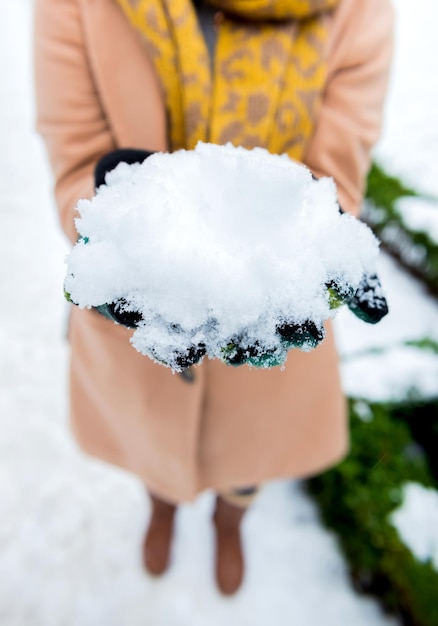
<point x="417" y="522"/>
<point x="71" y="527"/>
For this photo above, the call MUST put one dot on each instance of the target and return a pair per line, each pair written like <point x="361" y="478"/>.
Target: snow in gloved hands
<point x="220" y="251"/>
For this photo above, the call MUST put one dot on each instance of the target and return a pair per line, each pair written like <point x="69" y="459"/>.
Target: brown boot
<point x="229" y="556"/>
<point x="157" y="542"/>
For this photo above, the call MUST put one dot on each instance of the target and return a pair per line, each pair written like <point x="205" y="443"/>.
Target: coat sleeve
<point x="350" y="117"/>
<point x="69" y="115"/>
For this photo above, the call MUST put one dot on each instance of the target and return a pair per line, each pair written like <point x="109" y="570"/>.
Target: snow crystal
<point x="416" y="522"/>
<point x="214" y="244"/>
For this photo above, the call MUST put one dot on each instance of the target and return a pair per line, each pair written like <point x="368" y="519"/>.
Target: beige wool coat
<point x="231" y="427"/>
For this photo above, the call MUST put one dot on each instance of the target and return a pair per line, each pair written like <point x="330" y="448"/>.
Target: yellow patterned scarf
<point x="268" y="75"/>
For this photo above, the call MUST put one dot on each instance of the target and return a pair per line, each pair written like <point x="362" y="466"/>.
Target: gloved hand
<point x="305" y="336"/>
<point x="119" y="311"/>
<point x="368" y="302"/>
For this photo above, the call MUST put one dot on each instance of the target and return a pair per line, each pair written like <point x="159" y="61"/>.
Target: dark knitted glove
<point x="368" y="303"/>
<point x="239" y="351"/>
<point x="121" y="313"/>
<point x="306" y="336"/>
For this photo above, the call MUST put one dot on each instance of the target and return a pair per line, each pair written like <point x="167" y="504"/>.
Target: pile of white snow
<point x="416" y="522"/>
<point x="215" y="245"/>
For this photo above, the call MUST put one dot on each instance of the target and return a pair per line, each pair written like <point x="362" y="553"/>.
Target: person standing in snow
<point x="301" y="77"/>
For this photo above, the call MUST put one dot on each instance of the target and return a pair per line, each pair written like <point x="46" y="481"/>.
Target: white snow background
<point x="71" y="527"/>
